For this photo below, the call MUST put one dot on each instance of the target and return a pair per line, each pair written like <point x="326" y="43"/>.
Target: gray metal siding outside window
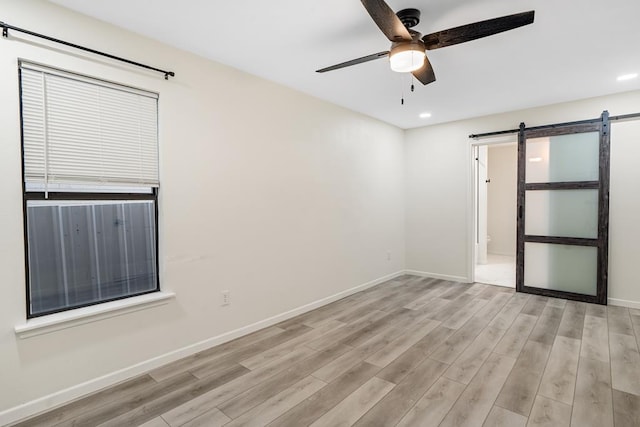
<point x="87" y="252"/>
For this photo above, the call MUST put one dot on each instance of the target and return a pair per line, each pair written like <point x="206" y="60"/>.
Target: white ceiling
<point x="575" y="49"/>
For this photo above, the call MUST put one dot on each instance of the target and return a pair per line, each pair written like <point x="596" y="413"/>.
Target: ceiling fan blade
<point x="425" y="74"/>
<point x="477" y="30"/>
<point x="386" y="20"/>
<point x="355" y="61"/>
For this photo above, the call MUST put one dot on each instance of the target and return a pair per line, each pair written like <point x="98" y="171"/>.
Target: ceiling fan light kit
<point x="406" y="57"/>
<point x="408" y="47"/>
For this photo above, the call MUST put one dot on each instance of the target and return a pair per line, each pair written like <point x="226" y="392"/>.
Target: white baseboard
<point x="438" y="276"/>
<point x="624" y="303"/>
<point x="70" y="394"/>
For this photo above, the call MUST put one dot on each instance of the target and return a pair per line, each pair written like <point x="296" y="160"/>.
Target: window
<point x="90" y="165"/>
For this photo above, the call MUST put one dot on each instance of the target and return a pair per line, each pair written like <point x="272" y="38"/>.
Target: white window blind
<point x="83" y="131"/>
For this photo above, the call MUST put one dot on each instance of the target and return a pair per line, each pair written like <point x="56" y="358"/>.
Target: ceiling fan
<point x="408" y="47"/>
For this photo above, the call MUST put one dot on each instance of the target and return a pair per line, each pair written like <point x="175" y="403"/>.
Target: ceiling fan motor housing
<point x="415" y="44"/>
<point x="409" y="17"/>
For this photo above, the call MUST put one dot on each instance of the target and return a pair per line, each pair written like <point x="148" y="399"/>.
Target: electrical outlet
<point x="388" y="255"/>
<point x="226" y="297"/>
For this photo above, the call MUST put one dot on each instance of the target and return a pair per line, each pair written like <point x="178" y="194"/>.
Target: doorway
<point x="562" y="208"/>
<point x="495" y="205"/>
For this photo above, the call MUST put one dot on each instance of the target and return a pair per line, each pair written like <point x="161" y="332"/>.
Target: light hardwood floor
<point x="409" y="352"/>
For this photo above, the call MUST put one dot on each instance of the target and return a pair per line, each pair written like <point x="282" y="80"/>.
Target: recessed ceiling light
<point x="425" y="115"/>
<point x="627" y="77"/>
<point x="535" y="159"/>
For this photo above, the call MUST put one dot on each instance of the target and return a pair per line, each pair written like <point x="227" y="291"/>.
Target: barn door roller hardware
<point x="5" y="33"/>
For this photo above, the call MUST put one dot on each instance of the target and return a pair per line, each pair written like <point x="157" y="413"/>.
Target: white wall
<point x="502" y="198"/>
<point x="279" y="197"/>
<point x="439" y="195"/>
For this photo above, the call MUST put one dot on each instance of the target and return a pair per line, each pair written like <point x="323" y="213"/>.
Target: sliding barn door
<point x="563" y="210"/>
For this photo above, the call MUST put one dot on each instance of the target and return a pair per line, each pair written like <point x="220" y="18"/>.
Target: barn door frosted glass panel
<point x="563" y="158"/>
<point x="563" y="210"/>
<point x="561" y="267"/>
<point x="84" y="252"/>
<point x="563" y="213"/>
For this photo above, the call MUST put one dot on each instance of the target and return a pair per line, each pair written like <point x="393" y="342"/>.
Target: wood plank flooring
<point x="410" y="352"/>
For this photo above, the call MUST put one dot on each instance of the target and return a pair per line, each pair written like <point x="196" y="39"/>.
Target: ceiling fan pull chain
<point x="413" y="88"/>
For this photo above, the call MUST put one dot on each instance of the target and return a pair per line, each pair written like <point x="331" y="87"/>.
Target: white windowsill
<point x="80" y="316"/>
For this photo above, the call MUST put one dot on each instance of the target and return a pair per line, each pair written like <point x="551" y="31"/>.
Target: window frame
<point x="77" y="195"/>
